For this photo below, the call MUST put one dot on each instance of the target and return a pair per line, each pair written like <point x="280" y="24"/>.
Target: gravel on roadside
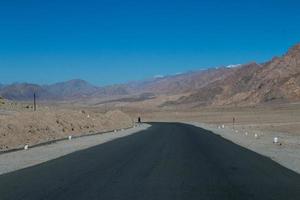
<point x="286" y="152"/>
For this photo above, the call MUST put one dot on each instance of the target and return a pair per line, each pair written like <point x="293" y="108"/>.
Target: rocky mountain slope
<point x="276" y="80"/>
<point x="21" y="91"/>
<point x="69" y="90"/>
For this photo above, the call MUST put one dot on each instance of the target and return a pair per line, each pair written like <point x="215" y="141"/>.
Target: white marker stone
<point x="275" y="140"/>
<point x="256" y="136"/>
<point x="26" y="147"/>
<point x="70" y="137"/>
<point x="223" y="126"/>
<point x="246" y="133"/>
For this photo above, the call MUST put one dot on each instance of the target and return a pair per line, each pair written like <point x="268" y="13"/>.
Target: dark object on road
<point x="139" y="120"/>
<point x="233" y="122"/>
<point x="167" y="161"/>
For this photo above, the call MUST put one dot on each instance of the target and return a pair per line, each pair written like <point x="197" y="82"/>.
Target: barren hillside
<point x="18" y="128"/>
<point x="274" y="81"/>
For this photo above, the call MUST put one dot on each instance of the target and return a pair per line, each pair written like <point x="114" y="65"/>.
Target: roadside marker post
<point x="26" y="147"/>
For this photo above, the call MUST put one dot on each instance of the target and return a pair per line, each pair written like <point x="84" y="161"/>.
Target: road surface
<point x="167" y="161"/>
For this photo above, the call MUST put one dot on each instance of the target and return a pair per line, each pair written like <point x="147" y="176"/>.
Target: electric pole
<point x="34" y="102"/>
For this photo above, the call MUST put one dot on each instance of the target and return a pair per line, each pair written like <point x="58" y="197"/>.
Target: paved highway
<point x="168" y="161"/>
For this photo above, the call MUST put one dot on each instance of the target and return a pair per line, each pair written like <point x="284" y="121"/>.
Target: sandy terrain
<point x="21" y="159"/>
<point x="268" y="121"/>
<point x="274" y="118"/>
<point x="20" y="126"/>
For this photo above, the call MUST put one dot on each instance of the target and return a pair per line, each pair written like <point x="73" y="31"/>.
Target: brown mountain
<point x="21" y="91"/>
<point x="69" y="90"/>
<point x="277" y="80"/>
<point x="169" y="85"/>
<point x="183" y="83"/>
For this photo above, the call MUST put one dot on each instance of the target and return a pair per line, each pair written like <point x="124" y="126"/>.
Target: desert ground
<point x="255" y="126"/>
<point x="21" y="126"/>
<point x="283" y="118"/>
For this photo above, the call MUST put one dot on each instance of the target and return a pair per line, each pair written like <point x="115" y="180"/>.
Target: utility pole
<point x="34" y="102"/>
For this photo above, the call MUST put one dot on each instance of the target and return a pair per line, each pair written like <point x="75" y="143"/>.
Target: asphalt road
<point x="167" y="161"/>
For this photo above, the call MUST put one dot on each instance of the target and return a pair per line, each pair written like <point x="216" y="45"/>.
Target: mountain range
<point x="60" y="91"/>
<point x="275" y="81"/>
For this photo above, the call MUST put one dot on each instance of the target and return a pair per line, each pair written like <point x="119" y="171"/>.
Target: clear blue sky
<point x="113" y="41"/>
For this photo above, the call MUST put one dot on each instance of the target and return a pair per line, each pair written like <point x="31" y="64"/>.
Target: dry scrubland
<point x="19" y="125"/>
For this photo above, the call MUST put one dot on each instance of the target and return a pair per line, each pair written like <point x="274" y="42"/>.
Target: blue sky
<point x="113" y="41"/>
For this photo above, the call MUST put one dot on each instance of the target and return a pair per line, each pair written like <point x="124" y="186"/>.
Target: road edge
<point x="21" y="159"/>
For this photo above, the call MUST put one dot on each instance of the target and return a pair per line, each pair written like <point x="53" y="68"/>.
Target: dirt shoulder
<point x="286" y="152"/>
<point x="26" y="158"/>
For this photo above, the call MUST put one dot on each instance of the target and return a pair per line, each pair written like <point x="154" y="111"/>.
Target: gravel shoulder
<point x="166" y="161"/>
<point x="13" y="161"/>
<point x="286" y="152"/>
